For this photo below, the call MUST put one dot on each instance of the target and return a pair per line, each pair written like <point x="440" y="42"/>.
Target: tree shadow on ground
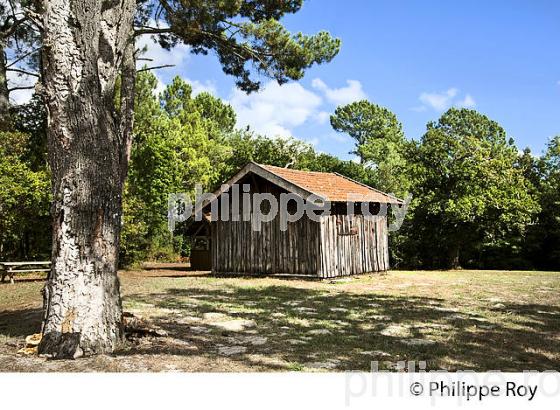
<point x="300" y="328"/>
<point x="292" y="328"/>
<point x="20" y="323"/>
<point x="28" y="277"/>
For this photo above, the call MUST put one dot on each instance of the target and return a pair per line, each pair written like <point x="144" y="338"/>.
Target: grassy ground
<point x="478" y="320"/>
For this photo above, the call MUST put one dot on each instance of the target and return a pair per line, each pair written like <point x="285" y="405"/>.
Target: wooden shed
<point x="335" y="243"/>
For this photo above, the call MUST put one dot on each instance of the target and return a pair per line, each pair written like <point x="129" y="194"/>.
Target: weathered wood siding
<point x="238" y="248"/>
<point x="353" y="244"/>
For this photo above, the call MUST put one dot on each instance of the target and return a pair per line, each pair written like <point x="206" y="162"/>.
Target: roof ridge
<point x="263" y="167"/>
<point x="276" y="171"/>
<point x="296" y="170"/>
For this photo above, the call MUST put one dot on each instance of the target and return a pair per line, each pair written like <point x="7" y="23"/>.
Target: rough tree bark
<point x="85" y="43"/>
<point x="4" y="93"/>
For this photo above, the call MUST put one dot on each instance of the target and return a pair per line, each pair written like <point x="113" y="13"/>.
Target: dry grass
<point x="477" y="320"/>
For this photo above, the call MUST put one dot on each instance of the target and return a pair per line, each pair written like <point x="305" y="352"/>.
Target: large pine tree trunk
<point x="84" y="45"/>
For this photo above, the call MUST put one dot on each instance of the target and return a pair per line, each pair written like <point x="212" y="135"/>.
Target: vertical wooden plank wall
<point x="305" y="248"/>
<point x="237" y="248"/>
<point x="353" y="244"/>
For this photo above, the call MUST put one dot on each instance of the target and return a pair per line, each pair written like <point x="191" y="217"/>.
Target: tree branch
<point x="17" y="70"/>
<point x="17" y="60"/>
<point x="27" y="87"/>
<point x="155" y="67"/>
<point x="8" y="31"/>
<point x="151" y="30"/>
<point x="35" y="18"/>
<point x="128" y="80"/>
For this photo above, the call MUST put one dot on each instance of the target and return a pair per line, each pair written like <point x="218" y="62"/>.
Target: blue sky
<point x="417" y="58"/>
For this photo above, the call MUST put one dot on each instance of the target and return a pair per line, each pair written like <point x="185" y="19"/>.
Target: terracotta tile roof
<point x="331" y="186"/>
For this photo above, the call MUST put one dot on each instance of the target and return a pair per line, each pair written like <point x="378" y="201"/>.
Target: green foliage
<point x="245" y="146"/>
<point x="473" y="192"/>
<point x="544" y="238"/>
<point x="31" y="119"/>
<point x="470" y="198"/>
<point x="179" y="139"/>
<point x="287" y="152"/>
<point x="365" y="121"/>
<point x="135" y="240"/>
<point x="380" y="142"/>
<point x="246" y="36"/>
<point x="178" y="143"/>
<point x="24" y="201"/>
<point x="530" y="166"/>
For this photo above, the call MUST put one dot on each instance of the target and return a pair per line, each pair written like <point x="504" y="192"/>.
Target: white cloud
<point x="439" y="101"/>
<point x="322" y="117"/>
<point x="197" y="86"/>
<point x="468" y="102"/>
<point x="178" y="56"/>
<point x="202" y="87"/>
<point x="344" y="95"/>
<point x="313" y="141"/>
<point x="275" y="110"/>
<point x="443" y="100"/>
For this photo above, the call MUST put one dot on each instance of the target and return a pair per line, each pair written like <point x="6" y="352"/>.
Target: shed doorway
<point x="201" y="257"/>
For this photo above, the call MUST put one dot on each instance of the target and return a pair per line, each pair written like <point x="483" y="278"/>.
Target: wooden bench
<point x="10" y="268"/>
